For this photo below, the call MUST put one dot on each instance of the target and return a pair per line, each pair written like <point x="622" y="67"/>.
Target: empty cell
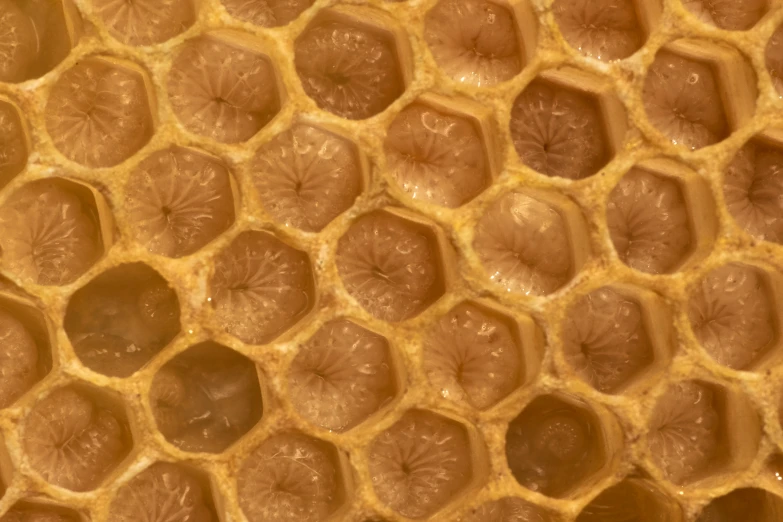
<point x="632" y="500"/>
<point x="24" y="511"/>
<point x="735" y="15"/>
<point x="774" y="59"/>
<point x="746" y="504"/>
<point x="507" y="509"/>
<point x="145" y="22"/>
<point x="266" y="13"/>
<point x="13" y="142"/>
<point x="603" y="29"/>
<point x="21" y="362"/>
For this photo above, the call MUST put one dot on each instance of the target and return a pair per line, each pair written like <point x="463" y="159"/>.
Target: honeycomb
<point x="375" y="261"/>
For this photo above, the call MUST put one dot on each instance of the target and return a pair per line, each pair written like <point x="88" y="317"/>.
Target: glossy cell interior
<point x="13" y="142"/>
<point x="508" y="509"/>
<point x="475" y="42"/>
<point x="24" y="511"/>
<point x="605" y="29"/>
<point x="145" y="22"/>
<point x="773" y="54"/>
<point x="260" y="287"/>
<point x="121" y="319"/>
<point x="605" y="339"/>
<point x="632" y="500"/>
<point x="420" y="463"/>
<point x="733" y="15"/>
<point x="342" y="375"/>
<point x="206" y="398"/>
<point x="25" y="350"/>
<point x="752" y="504"/>
<point x="266" y="13"/>
<point x="553" y="445"/>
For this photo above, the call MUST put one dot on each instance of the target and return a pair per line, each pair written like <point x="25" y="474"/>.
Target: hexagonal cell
<point x="27" y="511"/>
<point x="607" y="29"/>
<point x="567" y="124"/>
<point x="353" y="61"/>
<point x="307" y="176"/>
<point x="101" y="111"/>
<point x="14" y="143"/>
<point x="507" y="509"/>
<point x="478" y="354"/>
<point x="121" y="319"/>
<point x="222" y="85"/>
<point x="752" y="184"/>
<point x="25" y="348"/>
<point x="660" y="215"/>
<point x="291" y="476"/>
<point x="145" y="22"/>
<point x="531" y="243"/>
<point x="421" y="463"/>
<point x="734" y="15"/>
<point x="179" y="199"/>
<point x="261" y="287"/>
<point x="75" y="437"/>
<point x="632" y="500"/>
<point x="436" y="150"/>
<point x="341" y="376"/>
<point x="164" y="492"/>
<point x="266" y="13"/>
<point x="35" y="36"/>
<point x="55" y="229"/>
<point x="206" y="398"/>
<point x="750" y="504"/>
<point x="614" y="336"/>
<point x="480" y="42"/>
<point x="392" y="263"/>
<point x="732" y="313"/>
<point x="699" y="429"/>
<point x="773" y="55"/>
<point x="697" y="93"/>
<point x="554" y="445"/>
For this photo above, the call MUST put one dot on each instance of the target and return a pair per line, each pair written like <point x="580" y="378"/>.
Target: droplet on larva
<point x="523" y="244"/>
<point x="261" y="287"/>
<point x="13" y="146"/>
<point x="605" y="340"/>
<point x="774" y="59"/>
<point x="73" y="442"/>
<point x="341" y="375"/>
<point x="206" y="398"/>
<point x="684" y="428"/>
<point x="266" y="13"/>
<point x="420" y="463"/>
<point x="18" y="43"/>
<point x="349" y="71"/>
<point x="435" y="156"/>
<point x="306" y="176"/>
<point x="18" y="359"/>
<point x="632" y="500"/>
<point x="162" y="493"/>
<point x="732" y="316"/>
<point x="98" y="113"/>
<point x="753" y="190"/>
<point x="290" y="476"/>
<point x="736" y="15"/>
<point x="222" y="90"/>
<point x="559" y="131"/>
<point x="746" y="504"/>
<point x="474" y="41"/>
<point x="507" y="509"/>
<point x="552" y="446"/>
<point x="648" y="222"/>
<point x="145" y="22"/>
<point x="179" y="200"/>
<point x="471" y="355"/>
<point x="603" y="29"/>
<point x="689" y="113"/>
<point x="51" y="233"/>
<point x="29" y="512"/>
<point x="121" y="319"/>
<point x="389" y="265"/>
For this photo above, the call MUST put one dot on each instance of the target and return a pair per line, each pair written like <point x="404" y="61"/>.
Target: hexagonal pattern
<point x="341" y="376"/>
<point x="390" y="265"/>
<point x="290" y="476"/>
<point x="121" y="319"/>
<point x="260" y="287"/>
<point x="605" y="30"/>
<point x="222" y="86"/>
<point x="475" y="41"/>
<point x="633" y="499"/>
<point x="307" y="176"/>
<point x="179" y="199"/>
<point x="99" y="112"/>
<point x="13" y="142"/>
<point x="553" y="445"/>
<point x="74" y="437"/>
<point x="145" y="22"/>
<point x="206" y="398"/>
<point x="420" y="463"/>
<point x="52" y="231"/>
<point x="525" y="242"/>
